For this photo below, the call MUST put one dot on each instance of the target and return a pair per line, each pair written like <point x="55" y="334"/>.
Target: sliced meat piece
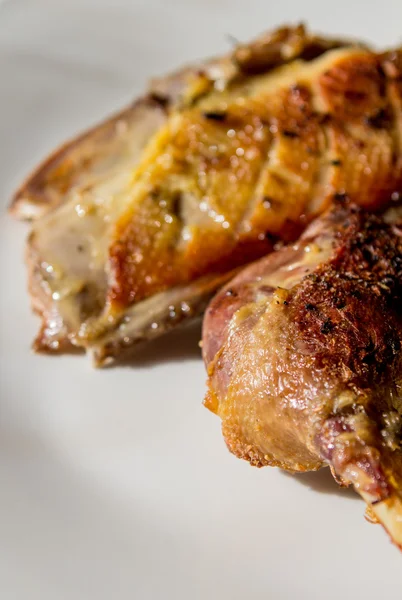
<point x="241" y="153"/>
<point x="304" y="357"/>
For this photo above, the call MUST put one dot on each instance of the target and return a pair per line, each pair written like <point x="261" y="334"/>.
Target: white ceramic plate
<point x="116" y="484"/>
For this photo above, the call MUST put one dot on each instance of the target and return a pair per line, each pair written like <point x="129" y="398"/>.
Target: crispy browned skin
<point x="99" y="149"/>
<point x="243" y="152"/>
<point x="304" y="357"/>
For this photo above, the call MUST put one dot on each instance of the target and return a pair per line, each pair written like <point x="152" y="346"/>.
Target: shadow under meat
<point x="178" y="345"/>
<point x="322" y="481"/>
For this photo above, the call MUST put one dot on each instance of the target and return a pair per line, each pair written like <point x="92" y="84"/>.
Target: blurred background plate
<point x="116" y="484"/>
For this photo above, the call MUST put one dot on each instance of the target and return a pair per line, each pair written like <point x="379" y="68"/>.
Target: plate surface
<point x="116" y="484"/>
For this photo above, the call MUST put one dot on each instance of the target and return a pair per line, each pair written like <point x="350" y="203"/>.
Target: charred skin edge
<point x="36" y="196"/>
<point x="281" y="47"/>
<point x="256" y="458"/>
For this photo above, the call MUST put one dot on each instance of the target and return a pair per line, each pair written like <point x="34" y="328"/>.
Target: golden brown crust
<point x="281" y="46"/>
<point x="348" y="144"/>
<point x="360" y="285"/>
<point x="284" y="353"/>
<point x="227" y="163"/>
<point x="306" y="366"/>
<point x="77" y="159"/>
<point x="235" y="442"/>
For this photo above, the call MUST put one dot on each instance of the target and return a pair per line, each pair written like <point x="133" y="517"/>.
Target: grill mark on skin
<point x="284" y="174"/>
<point x="280" y="173"/>
<point x="287" y="216"/>
<point x="215" y="115"/>
<point x="324" y="171"/>
<point x="161" y="100"/>
<point x="378" y="120"/>
<point x="320" y="192"/>
<point x="175" y="209"/>
<point x="396" y="128"/>
<point x="257" y="196"/>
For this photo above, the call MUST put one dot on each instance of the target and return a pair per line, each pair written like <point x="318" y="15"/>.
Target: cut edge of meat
<point x="45" y="188"/>
<point x="153" y="317"/>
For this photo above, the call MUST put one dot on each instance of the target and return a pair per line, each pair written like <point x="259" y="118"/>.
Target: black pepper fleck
<point x="340" y="196"/>
<point x="215" y="115"/>
<point x="290" y="134"/>
<point x="326" y="327"/>
<point x="378" y="120"/>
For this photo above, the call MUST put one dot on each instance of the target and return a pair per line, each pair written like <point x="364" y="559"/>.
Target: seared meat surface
<point x="155" y="208"/>
<point x="304" y="357"/>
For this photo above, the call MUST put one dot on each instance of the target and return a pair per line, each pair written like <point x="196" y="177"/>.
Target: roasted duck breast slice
<point x="304" y="357"/>
<point x="206" y="174"/>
